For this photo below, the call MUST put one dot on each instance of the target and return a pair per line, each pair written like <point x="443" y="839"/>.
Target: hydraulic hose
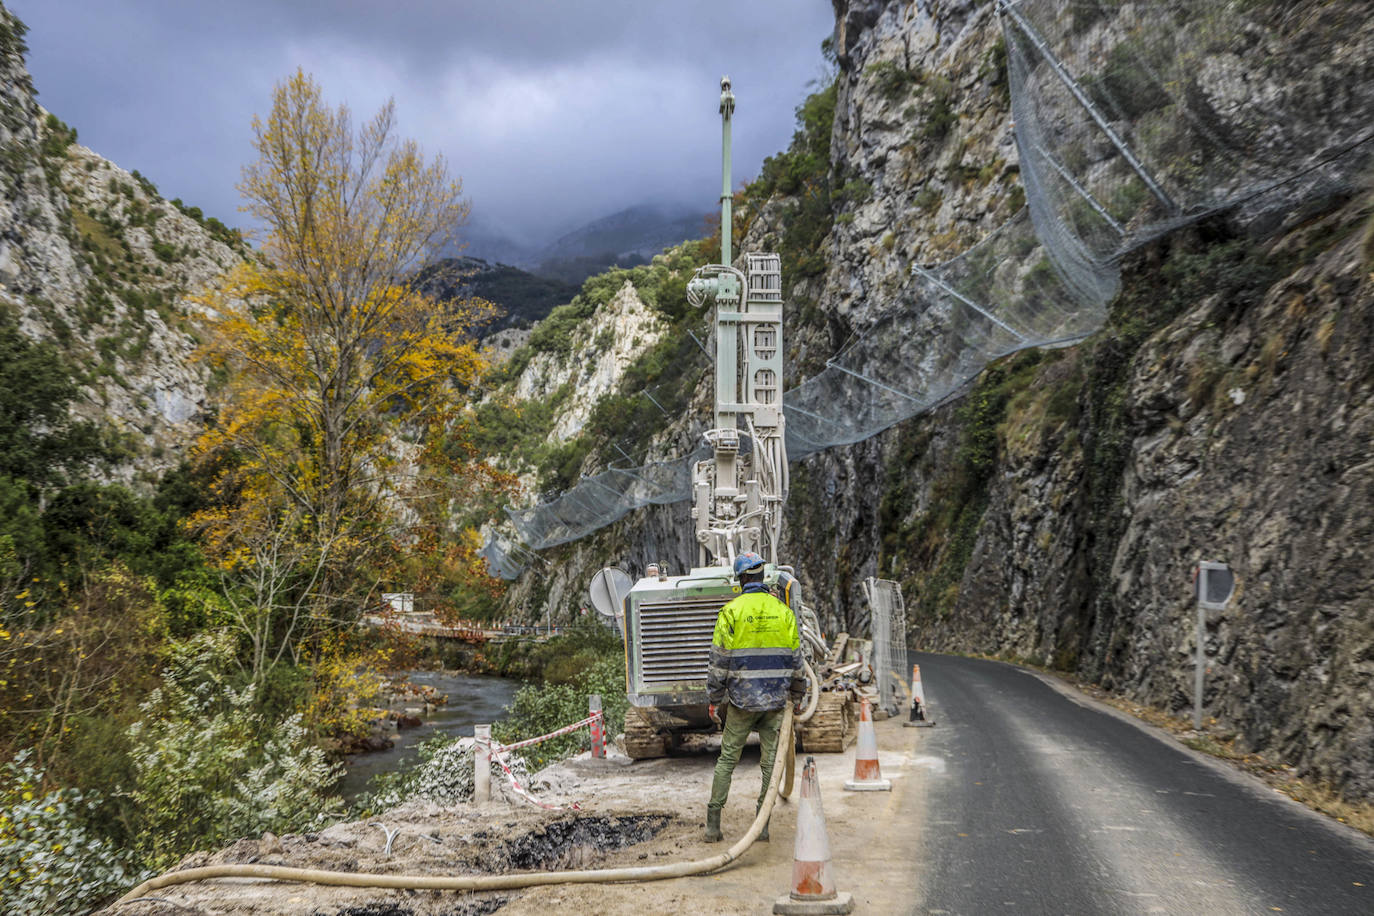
<point x="810" y="710"/>
<point x="485" y="882"/>
<point x="789" y="749"/>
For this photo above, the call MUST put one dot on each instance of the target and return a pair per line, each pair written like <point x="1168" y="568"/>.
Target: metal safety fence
<point x="889" y="643"/>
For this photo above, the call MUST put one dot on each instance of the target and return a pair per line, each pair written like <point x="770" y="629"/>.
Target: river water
<point x="472" y="700"/>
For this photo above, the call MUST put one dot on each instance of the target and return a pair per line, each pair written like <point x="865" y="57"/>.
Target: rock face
<point x="923" y="122"/>
<point x="1236" y="429"/>
<point x="94" y="259"/>
<point x="624" y="328"/>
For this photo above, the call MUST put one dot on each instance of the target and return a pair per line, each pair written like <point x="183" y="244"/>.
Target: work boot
<point x="713" y="825"/>
<point x="763" y="834"/>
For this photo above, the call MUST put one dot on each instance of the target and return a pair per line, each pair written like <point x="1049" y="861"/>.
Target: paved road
<point x="1037" y="803"/>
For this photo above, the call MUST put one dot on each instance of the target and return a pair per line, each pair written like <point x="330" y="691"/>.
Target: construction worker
<point x="755" y="670"/>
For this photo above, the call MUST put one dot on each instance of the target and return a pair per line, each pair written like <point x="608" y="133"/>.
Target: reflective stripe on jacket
<point x="755" y="653"/>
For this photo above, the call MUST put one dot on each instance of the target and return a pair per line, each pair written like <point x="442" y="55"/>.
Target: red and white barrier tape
<point x="498" y="749"/>
<point x="562" y="731"/>
<point x="525" y="793"/>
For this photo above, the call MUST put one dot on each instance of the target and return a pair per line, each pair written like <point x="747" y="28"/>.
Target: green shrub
<point x="939" y="116"/>
<point x="209" y="768"/>
<point x="892" y="80"/>
<point x="56" y="138"/>
<point x="856" y="191"/>
<point x="50" y="861"/>
<point x="145" y="183"/>
<point x="554" y="333"/>
<point x="166" y="252"/>
<point x="538" y="710"/>
<point x="994" y="70"/>
<point x="218" y="231"/>
<point x="12" y="32"/>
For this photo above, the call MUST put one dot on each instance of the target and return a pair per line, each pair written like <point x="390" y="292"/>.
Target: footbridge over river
<point x="427" y="623"/>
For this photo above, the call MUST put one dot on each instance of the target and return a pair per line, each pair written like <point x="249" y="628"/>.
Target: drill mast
<point x="738" y="494"/>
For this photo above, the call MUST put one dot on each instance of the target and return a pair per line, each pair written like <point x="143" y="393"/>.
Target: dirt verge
<point x="647" y="812"/>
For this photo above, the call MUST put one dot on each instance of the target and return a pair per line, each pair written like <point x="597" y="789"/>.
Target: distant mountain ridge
<point x="523" y="297"/>
<point x="644" y="230"/>
<point x="625" y="238"/>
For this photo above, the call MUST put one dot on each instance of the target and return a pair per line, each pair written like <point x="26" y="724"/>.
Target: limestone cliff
<point x="1056" y="512"/>
<point x="94" y="259"/>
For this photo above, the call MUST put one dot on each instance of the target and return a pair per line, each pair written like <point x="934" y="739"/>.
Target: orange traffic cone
<point x="918" y="718"/>
<point x="867" y="776"/>
<point x="813" y="887"/>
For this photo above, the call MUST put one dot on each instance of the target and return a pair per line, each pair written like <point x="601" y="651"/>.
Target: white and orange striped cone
<point x="918" y="718"/>
<point x="868" y="777"/>
<point x="813" y="887"/>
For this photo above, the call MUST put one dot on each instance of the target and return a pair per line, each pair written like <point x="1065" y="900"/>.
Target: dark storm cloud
<point x="552" y="113"/>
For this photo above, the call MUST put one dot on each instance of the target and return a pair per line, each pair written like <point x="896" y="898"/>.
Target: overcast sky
<point x="552" y="113"/>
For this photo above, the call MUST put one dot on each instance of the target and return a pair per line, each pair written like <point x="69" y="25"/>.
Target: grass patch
<point x="99" y="238"/>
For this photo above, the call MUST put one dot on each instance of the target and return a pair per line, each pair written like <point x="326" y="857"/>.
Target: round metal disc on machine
<point x="608" y="589"/>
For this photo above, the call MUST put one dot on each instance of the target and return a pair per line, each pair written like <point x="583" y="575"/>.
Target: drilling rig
<point x="737" y="502"/>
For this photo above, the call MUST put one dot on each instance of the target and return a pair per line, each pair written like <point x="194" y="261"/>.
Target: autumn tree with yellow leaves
<point x="338" y="449"/>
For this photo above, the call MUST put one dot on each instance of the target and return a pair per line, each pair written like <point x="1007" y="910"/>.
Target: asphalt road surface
<point x="1037" y="802"/>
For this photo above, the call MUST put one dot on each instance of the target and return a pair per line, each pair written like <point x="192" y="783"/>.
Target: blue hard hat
<point x="748" y="562"/>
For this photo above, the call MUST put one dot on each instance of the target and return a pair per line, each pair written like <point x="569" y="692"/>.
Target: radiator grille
<point x="675" y="639"/>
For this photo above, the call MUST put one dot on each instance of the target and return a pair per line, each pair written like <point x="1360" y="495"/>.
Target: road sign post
<point x="608" y="590"/>
<point x="1215" y="585"/>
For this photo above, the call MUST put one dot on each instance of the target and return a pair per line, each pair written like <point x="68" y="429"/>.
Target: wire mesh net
<point x="889" y="644"/>
<point x="1135" y="117"/>
<point x="1002" y="295"/>
<point x="599" y="500"/>
<point x="504" y="559"/>
<point x="1131" y="119"/>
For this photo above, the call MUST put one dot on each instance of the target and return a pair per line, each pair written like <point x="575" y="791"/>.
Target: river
<point x="472" y="700"/>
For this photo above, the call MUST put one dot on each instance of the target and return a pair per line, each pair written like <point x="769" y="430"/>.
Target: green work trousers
<point x="738" y="724"/>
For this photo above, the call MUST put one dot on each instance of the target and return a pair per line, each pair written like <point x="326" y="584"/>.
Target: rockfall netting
<point x="947" y="323"/>
<point x="1131" y="120"/>
<point x="505" y="559"/>
<point x="599" y="500"/>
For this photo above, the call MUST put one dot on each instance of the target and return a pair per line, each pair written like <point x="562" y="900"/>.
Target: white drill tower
<point x="738" y="494"/>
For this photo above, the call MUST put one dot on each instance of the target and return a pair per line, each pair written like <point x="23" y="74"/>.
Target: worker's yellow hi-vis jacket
<point x="756" y="659"/>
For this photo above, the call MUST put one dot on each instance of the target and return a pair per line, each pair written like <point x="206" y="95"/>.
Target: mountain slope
<point x="94" y="259"/>
<point x="642" y="230"/>
<point x="627" y="238"/>
<point x="523" y="297"/>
